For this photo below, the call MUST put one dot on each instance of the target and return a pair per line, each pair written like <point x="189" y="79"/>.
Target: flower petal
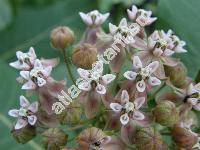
<point x="130" y="75"/>
<point x="137" y="62"/>
<point x="141" y="86"/>
<point x="86" y="19"/>
<point x="33" y="107"/>
<point x="139" y="102"/>
<point x="116" y="107"/>
<point x="153" y="66"/>
<point x="38" y="64"/>
<point x="32" y="119"/>
<point x="25" y="74"/>
<point x="132" y="13"/>
<point x="138" y="115"/>
<point x="15" y="64"/>
<point x="85" y="86"/>
<point x="20" y="124"/>
<point x="32" y="54"/>
<point x="124" y="97"/>
<point x="124" y="119"/>
<point x="123" y="23"/>
<point x="108" y="78"/>
<point x="153" y="81"/>
<point x="101" y="89"/>
<point x="30" y="85"/>
<point x="47" y="71"/>
<point x="83" y="73"/>
<point x="112" y="28"/>
<point x="13" y="112"/>
<point x="24" y="102"/>
<point x="168" y="52"/>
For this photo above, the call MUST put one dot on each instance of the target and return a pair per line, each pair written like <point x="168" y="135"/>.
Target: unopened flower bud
<point x="54" y="138"/>
<point x="166" y="113"/>
<point x="84" y="56"/>
<point x="177" y="74"/>
<point x="183" y="137"/>
<point x="62" y="37"/>
<point x="149" y="138"/>
<point x="25" y="134"/>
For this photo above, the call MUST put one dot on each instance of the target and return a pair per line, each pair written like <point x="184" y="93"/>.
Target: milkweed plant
<point x="131" y="92"/>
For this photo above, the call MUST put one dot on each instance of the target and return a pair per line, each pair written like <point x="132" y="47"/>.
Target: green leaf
<point x="182" y="16"/>
<point x="5" y="14"/>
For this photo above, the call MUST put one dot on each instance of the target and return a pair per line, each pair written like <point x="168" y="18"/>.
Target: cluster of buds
<point x="107" y="98"/>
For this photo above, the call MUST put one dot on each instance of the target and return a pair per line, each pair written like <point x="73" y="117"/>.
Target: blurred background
<point x="26" y="23"/>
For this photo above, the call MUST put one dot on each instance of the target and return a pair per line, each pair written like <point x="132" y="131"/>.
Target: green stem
<point x="69" y="72"/>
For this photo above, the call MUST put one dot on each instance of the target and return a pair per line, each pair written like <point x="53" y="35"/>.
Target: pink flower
<point x="143" y="75"/>
<point x="37" y="77"/>
<point x="128" y="110"/>
<point x="141" y="16"/>
<point x="25" y="114"/>
<point x="94" y="18"/>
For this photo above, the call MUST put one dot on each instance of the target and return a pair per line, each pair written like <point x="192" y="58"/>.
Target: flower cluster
<point x="120" y="98"/>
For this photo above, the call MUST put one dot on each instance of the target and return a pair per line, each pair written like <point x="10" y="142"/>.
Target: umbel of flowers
<point x="112" y="105"/>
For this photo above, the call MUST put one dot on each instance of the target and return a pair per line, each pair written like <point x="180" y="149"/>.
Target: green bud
<point x="84" y="56"/>
<point x="166" y="113"/>
<point x="149" y="138"/>
<point x="62" y="37"/>
<point x="177" y="74"/>
<point x="25" y="134"/>
<point x="54" y="139"/>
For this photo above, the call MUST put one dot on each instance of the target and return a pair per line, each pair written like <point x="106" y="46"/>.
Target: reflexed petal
<point x="33" y="107"/>
<point x="30" y="85"/>
<point x="38" y="63"/>
<point x="20" y="124"/>
<point x="157" y="52"/>
<point x="86" y="19"/>
<point x="116" y="107"/>
<point x="41" y="82"/>
<point x="15" y="64"/>
<point x="24" y="102"/>
<point x="160" y="72"/>
<point x="130" y="75"/>
<point x="85" y="86"/>
<point x="138" y="115"/>
<point x="83" y="73"/>
<point x="108" y="78"/>
<point x="139" y="102"/>
<point x="50" y="62"/>
<point x="169" y="61"/>
<point x="47" y="71"/>
<point x="124" y="119"/>
<point x="154" y="81"/>
<point x="141" y="86"/>
<point x="124" y="97"/>
<point x="123" y="23"/>
<point x="32" y="119"/>
<point x="168" y="52"/>
<point x="193" y="101"/>
<point x="25" y="74"/>
<point x="112" y="28"/>
<point x="137" y="62"/>
<point x="153" y="66"/>
<point x="197" y="107"/>
<point x="101" y="89"/>
<point x="13" y="113"/>
<point x="151" y="20"/>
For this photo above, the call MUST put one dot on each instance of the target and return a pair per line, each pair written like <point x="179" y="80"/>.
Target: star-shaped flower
<point x="37" y="77"/>
<point x="124" y="30"/>
<point x="128" y="110"/>
<point x="93" y="79"/>
<point x="141" y="16"/>
<point x="25" y="60"/>
<point x="94" y="18"/>
<point x="25" y="114"/>
<point x="143" y="75"/>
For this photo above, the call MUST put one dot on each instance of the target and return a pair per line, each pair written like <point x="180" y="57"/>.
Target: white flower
<point x="193" y="96"/>
<point x="165" y="44"/>
<point x="128" y="110"/>
<point x="37" y="76"/>
<point x="143" y="75"/>
<point x="25" y="60"/>
<point x="25" y="114"/>
<point x="141" y="16"/>
<point x="124" y="30"/>
<point x="94" y="79"/>
<point x="94" y="18"/>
